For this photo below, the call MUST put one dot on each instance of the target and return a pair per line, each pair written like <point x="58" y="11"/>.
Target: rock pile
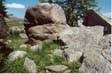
<point x="88" y="45"/>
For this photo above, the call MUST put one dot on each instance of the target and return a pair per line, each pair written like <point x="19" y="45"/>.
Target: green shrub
<point x="15" y="66"/>
<point x="15" y="43"/>
<point x="74" y="66"/>
<point x="42" y="57"/>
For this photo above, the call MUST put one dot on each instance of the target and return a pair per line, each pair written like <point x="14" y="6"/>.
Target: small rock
<point x="67" y="71"/>
<point x="47" y="71"/>
<point x="36" y="48"/>
<point x="72" y="55"/>
<point x="16" y="54"/>
<point x="56" y="68"/>
<point x="2" y="40"/>
<point x="58" y="52"/>
<point x="30" y="66"/>
<point x="50" y="56"/>
<point x="23" y="46"/>
<point x="23" y="35"/>
<point x="94" y="62"/>
<point x="8" y="41"/>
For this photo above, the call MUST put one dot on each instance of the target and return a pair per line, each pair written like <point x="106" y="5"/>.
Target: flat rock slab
<point x="56" y="68"/>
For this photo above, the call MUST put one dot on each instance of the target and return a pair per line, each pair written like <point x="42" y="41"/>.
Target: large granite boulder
<point x="94" y="18"/>
<point x="88" y="46"/>
<point x="43" y="22"/>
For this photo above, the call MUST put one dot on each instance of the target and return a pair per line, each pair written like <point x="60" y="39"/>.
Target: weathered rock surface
<point x="94" y="18"/>
<point x="16" y="54"/>
<point x="94" y="62"/>
<point x="107" y="54"/>
<point x="30" y="66"/>
<point x="56" y="68"/>
<point x="105" y="41"/>
<point x="43" y="24"/>
<point x="79" y="37"/>
<point x="91" y="47"/>
<point x="39" y="34"/>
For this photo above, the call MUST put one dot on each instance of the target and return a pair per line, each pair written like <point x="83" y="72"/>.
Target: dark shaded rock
<point x="4" y="52"/>
<point x="94" y="18"/>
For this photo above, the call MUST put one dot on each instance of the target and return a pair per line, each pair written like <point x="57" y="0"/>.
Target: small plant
<point x="15" y="42"/>
<point x="15" y="66"/>
<point x="74" y="66"/>
<point x="43" y="58"/>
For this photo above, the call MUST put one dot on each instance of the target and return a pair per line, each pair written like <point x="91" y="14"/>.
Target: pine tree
<point x="2" y="9"/>
<point x="3" y="14"/>
<point x="75" y="9"/>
